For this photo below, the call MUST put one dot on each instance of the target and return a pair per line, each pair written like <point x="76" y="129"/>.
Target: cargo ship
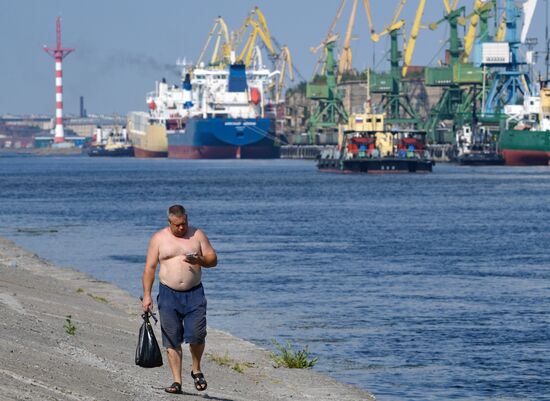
<point x="225" y="116"/>
<point x="527" y="143"/>
<point x="216" y="113"/>
<point x="368" y="145"/>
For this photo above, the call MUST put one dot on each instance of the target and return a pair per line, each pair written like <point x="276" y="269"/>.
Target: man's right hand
<point x="147" y="303"/>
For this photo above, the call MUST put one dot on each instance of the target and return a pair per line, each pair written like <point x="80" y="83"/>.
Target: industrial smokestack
<point x="83" y="113"/>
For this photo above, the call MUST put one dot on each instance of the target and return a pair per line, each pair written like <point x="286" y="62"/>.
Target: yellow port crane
<point x="221" y="55"/>
<point x="345" y="61"/>
<point x="256" y="20"/>
<point x="409" y="46"/>
<point x="284" y="63"/>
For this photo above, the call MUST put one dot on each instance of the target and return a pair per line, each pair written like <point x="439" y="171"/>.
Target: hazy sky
<point x="123" y="46"/>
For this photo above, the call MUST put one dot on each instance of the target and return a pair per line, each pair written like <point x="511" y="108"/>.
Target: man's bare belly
<point x="178" y="274"/>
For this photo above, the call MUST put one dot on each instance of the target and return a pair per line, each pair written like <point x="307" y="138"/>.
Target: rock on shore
<point x="40" y="360"/>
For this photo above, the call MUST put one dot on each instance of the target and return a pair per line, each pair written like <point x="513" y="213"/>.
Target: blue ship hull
<point x="224" y="138"/>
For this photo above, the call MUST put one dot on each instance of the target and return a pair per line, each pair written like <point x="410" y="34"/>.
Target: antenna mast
<point x="58" y="53"/>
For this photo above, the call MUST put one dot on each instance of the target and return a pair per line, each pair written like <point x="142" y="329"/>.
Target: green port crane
<point x="395" y="101"/>
<point x="458" y="80"/>
<point x="330" y="110"/>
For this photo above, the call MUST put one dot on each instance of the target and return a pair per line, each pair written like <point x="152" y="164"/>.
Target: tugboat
<point x="111" y="143"/>
<point x="476" y="147"/>
<point x="369" y="145"/>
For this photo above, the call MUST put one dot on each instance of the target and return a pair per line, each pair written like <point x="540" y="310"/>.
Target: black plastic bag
<point x="148" y="353"/>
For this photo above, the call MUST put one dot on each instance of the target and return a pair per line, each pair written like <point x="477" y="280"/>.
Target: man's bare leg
<point x="196" y="355"/>
<point x="174" y="360"/>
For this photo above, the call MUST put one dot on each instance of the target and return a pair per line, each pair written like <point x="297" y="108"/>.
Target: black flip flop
<point x="175" y="388"/>
<point x="200" y="382"/>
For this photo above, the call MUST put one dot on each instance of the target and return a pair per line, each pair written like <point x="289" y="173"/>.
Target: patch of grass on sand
<point x="289" y="358"/>
<point x="221" y="360"/>
<point x="225" y="360"/>
<point x="98" y="298"/>
<point x="241" y="366"/>
<point x="69" y="326"/>
<point x="79" y="290"/>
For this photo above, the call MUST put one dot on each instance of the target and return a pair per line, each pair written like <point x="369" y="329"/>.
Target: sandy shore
<point x="41" y="361"/>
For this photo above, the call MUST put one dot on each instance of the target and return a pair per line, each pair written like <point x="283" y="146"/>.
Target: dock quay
<point x="442" y="153"/>
<point x="303" y="151"/>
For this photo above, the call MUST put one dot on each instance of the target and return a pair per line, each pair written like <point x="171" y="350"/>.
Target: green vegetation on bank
<point x="289" y="358"/>
<point x="225" y="360"/>
<point x="69" y="326"/>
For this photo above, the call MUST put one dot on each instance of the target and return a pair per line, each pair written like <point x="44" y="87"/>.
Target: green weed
<point x="289" y="358"/>
<point x="98" y="298"/>
<point x="69" y="326"/>
<point x="221" y="360"/>
<point x="79" y="290"/>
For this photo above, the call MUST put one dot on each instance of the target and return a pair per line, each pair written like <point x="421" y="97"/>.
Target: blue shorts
<point x="182" y="315"/>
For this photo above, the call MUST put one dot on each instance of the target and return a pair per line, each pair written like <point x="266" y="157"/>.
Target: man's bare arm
<point x="209" y="258"/>
<point x="149" y="272"/>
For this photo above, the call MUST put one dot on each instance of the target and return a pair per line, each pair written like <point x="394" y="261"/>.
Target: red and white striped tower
<point x="58" y="53"/>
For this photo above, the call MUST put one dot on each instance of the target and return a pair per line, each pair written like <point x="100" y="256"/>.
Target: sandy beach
<point x="41" y="361"/>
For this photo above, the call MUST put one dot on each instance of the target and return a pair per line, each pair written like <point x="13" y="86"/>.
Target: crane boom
<point x="480" y="7"/>
<point x="219" y="24"/>
<point x="345" y="61"/>
<point x="398" y="11"/>
<point x="264" y="29"/>
<point x="369" y="15"/>
<point x="409" y="49"/>
<point x="328" y="37"/>
<point x="501" y="32"/>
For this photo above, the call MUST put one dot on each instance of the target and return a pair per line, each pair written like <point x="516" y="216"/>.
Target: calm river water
<point x="425" y="287"/>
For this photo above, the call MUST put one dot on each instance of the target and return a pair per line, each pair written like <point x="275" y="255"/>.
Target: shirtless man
<point x="182" y="251"/>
